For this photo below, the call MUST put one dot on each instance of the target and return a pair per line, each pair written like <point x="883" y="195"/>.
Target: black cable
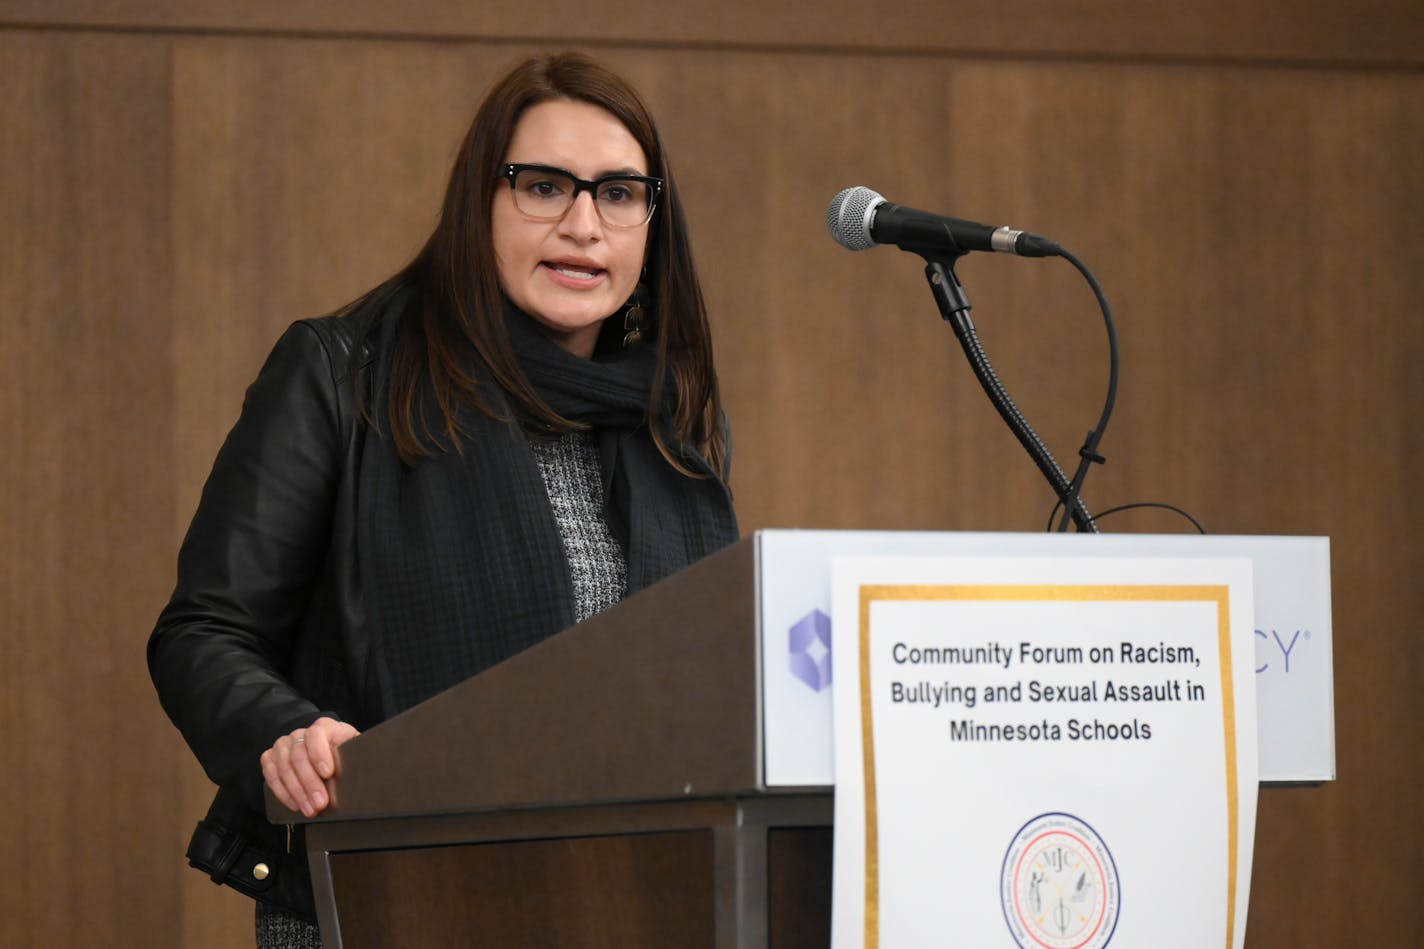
<point x="1128" y="507"/>
<point x="1169" y="507"/>
<point x="1088" y="454"/>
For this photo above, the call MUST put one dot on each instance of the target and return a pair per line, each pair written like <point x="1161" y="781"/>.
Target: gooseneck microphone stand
<point x="954" y="307"/>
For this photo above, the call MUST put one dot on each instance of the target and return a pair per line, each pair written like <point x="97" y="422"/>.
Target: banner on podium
<point x="1052" y="753"/>
<point x="1292" y="655"/>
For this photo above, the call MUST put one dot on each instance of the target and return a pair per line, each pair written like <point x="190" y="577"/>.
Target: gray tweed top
<point x="574" y="480"/>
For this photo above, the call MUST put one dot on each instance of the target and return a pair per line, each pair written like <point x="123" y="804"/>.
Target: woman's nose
<point x="581" y="221"/>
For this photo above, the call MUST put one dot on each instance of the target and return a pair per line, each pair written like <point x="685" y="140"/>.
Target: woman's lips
<point x="573" y="275"/>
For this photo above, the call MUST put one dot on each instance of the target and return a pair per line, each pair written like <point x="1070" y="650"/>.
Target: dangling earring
<point x="635" y="317"/>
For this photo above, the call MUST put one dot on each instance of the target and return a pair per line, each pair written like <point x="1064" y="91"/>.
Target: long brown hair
<point x="458" y="302"/>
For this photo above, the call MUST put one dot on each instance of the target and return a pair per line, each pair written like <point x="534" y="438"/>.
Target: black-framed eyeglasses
<point x="546" y="193"/>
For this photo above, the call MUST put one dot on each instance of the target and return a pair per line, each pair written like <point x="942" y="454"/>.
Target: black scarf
<point x="461" y="561"/>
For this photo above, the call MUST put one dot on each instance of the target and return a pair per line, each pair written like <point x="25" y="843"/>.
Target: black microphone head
<point x="849" y="217"/>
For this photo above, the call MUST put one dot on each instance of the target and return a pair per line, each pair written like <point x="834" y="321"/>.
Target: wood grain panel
<point x="628" y="890"/>
<point x="800" y="861"/>
<point x="1370" y="31"/>
<point x="85" y="503"/>
<point x="306" y="171"/>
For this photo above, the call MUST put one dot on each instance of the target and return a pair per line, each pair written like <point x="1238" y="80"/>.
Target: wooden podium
<point x="602" y="789"/>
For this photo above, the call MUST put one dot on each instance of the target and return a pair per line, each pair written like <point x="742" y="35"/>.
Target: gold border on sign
<point x="1041" y="593"/>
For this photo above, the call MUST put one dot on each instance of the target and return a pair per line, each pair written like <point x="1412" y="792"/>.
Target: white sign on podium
<point x="1047" y="752"/>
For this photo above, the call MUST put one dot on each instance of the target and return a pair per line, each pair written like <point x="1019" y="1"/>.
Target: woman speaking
<point x="517" y="430"/>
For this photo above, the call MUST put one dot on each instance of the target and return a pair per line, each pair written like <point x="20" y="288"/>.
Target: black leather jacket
<point x="268" y="627"/>
<point x="264" y="631"/>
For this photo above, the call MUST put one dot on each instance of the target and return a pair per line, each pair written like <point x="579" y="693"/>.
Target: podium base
<point x="744" y="873"/>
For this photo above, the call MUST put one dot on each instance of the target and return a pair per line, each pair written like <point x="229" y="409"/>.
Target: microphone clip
<point x="948" y="292"/>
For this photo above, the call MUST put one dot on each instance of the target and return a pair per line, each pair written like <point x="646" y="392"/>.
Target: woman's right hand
<point x="298" y="766"/>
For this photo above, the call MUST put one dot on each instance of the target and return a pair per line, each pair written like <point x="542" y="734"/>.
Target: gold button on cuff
<point x="260" y="871"/>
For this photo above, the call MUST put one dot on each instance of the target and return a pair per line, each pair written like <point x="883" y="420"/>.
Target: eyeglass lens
<point x="545" y="193"/>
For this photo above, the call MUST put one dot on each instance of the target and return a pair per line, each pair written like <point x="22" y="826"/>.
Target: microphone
<point x="859" y="219"/>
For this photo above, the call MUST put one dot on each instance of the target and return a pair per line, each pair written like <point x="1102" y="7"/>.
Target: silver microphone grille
<point x="849" y="217"/>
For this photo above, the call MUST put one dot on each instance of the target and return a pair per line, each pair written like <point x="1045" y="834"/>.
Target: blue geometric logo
<point x="809" y="642"/>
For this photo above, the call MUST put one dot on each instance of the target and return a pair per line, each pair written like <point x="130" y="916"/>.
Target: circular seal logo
<point x="1059" y="885"/>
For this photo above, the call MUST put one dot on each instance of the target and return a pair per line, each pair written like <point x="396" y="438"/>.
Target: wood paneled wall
<point x="177" y="184"/>
<point x="1378" y="32"/>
